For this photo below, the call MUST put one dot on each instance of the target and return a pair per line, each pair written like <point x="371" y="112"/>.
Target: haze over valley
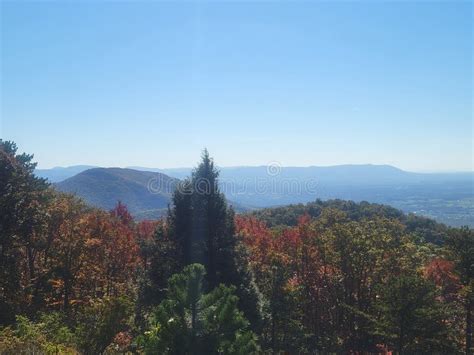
<point x="446" y="197"/>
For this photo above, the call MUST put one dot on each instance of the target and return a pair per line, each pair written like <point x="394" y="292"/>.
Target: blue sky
<point x="301" y="83"/>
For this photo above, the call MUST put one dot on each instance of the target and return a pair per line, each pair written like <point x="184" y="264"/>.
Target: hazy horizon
<point x="152" y="83"/>
<point x="136" y="167"/>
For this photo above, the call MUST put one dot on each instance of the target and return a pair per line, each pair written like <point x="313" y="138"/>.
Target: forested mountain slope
<point x="288" y="216"/>
<point x="145" y="193"/>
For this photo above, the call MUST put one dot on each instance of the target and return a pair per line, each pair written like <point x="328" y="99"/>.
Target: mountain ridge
<point x="60" y="173"/>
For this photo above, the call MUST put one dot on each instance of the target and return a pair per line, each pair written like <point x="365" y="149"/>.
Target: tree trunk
<point x="468" y="326"/>
<point x="67" y="290"/>
<point x="193" y="326"/>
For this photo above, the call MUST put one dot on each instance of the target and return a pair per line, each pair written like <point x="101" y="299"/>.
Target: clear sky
<point x="301" y="83"/>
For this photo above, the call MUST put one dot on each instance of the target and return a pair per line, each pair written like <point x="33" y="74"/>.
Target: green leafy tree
<point x="412" y="319"/>
<point x="49" y="335"/>
<point x="163" y="258"/>
<point x="191" y="322"/>
<point x="22" y="220"/>
<point x="100" y="322"/>
<point x="461" y="244"/>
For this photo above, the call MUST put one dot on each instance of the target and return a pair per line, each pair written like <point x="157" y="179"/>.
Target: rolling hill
<point x="146" y="194"/>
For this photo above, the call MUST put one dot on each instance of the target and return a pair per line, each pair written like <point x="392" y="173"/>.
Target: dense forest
<point x="324" y="277"/>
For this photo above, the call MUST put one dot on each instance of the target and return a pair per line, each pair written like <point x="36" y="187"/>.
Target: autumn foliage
<point x="328" y="277"/>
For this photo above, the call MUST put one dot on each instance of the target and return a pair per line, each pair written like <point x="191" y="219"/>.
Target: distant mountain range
<point x="446" y="197"/>
<point x="342" y="174"/>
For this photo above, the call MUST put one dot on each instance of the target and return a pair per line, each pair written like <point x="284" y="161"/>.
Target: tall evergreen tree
<point x="191" y="322"/>
<point x="180" y="221"/>
<point x="22" y="216"/>
<point x="202" y="226"/>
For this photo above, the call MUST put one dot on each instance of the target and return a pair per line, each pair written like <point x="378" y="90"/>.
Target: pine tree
<point x="180" y="221"/>
<point x="191" y="322"/>
<point x="202" y="225"/>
